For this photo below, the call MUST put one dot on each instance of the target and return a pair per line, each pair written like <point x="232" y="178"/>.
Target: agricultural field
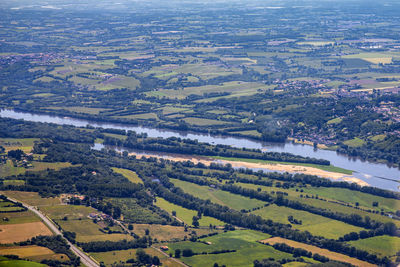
<point x="35" y="253"/>
<point x="87" y="231"/>
<point x="10" y="233"/>
<point x="10" y="169"/>
<point x="353" y="197"/>
<point x="130" y="175"/>
<point x="218" y="196"/>
<point x="315" y="224"/>
<point x="111" y="257"/>
<point x="278" y="76"/>
<point x="381" y="245"/>
<point x="186" y="215"/>
<point x="313" y="249"/>
<point x="25" y="144"/>
<point x="168" y="232"/>
<point x="32" y="198"/>
<point x="133" y="212"/>
<point x="4" y="262"/>
<point x="242" y="241"/>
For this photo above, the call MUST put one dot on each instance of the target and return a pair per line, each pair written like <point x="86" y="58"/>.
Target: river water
<point x="374" y="174"/>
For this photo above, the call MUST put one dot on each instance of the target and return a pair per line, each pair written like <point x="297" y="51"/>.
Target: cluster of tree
<point x="279" y="200"/>
<point x="16" y="154"/>
<point x="25" y="129"/>
<point x="187" y="252"/>
<point x="290" y="179"/>
<point x="187" y="146"/>
<point x="388" y="228"/>
<point x="103" y="246"/>
<point x="95" y="179"/>
<point x="144" y="259"/>
<point x="299" y="252"/>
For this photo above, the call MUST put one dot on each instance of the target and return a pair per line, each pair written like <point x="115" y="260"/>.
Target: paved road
<point x="85" y="259"/>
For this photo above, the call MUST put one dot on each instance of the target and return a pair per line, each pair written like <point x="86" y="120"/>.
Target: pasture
<point x="184" y="214"/>
<point x="86" y="231"/>
<point x="9" y="169"/>
<point x="233" y="201"/>
<point x="25" y="144"/>
<point x="350" y="196"/>
<point x="32" y="198"/>
<point x="243" y="241"/>
<point x="315" y="224"/>
<point x="57" y="212"/>
<point x="6" y="262"/>
<point x="235" y="88"/>
<point x="117" y="256"/>
<point x="130" y="175"/>
<point x="167" y="232"/>
<point x="18" y="217"/>
<point x="380" y="245"/>
<point x="86" y="110"/>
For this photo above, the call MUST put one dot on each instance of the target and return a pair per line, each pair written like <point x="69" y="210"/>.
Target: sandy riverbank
<point x="269" y="166"/>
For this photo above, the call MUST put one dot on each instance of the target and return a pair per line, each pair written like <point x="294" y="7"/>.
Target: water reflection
<point x="372" y="173"/>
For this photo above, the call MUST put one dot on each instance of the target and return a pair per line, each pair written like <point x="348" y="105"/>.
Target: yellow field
<point x="320" y="251"/>
<point x="32" y="198"/>
<point x="10" y="233"/>
<point x="123" y="255"/>
<point x="374" y="58"/>
<point x="166" y="232"/>
<point x="25" y="144"/>
<point x="33" y="252"/>
<point x="130" y="175"/>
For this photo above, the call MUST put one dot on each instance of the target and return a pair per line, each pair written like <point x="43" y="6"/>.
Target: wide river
<point x="375" y="174"/>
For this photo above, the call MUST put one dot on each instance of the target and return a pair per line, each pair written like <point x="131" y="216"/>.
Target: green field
<point x="142" y="116"/>
<point x="355" y="142"/>
<point x="19" y="217"/>
<point x="350" y="196"/>
<point x="334" y="121"/>
<point x="5" y="262"/>
<point x="243" y="241"/>
<point x="130" y="175"/>
<point x="133" y="212"/>
<point x="71" y="211"/>
<point x="233" y="201"/>
<point x="8" y="169"/>
<point x="204" y="122"/>
<point x="186" y="215"/>
<point x="93" y="111"/>
<point x="315" y="224"/>
<point x="32" y="198"/>
<point x="25" y="144"/>
<point x="382" y="245"/>
<point x="86" y="231"/>
<point x="117" y="256"/>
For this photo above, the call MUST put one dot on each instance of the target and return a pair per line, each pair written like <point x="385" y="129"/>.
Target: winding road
<point x="85" y="259"/>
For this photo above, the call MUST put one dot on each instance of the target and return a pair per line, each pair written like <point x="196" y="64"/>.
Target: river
<point x="375" y="174"/>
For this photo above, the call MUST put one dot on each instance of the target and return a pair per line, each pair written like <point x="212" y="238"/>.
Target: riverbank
<point x="376" y="174"/>
<point x="267" y="166"/>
